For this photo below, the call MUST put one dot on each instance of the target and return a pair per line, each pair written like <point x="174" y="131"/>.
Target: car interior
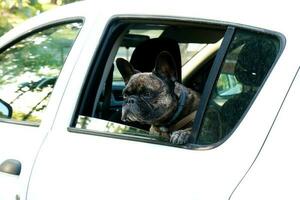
<point x="193" y="48"/>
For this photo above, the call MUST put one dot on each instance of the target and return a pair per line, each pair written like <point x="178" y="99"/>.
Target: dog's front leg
<point x="180" y="136"/>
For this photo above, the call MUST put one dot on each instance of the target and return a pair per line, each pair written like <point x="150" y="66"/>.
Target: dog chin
<point x="128" y="116"/>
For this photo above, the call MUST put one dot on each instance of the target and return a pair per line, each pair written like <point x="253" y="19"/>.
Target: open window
<point x="219" y="61"/>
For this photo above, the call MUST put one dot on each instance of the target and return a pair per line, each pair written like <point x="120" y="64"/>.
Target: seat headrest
<point x="254" y="61"/>
<point x="145" y="54"/>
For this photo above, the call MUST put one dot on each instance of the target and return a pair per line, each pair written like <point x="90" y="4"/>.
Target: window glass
<point x="246" y="65"/>
<point x="29" y="70"/>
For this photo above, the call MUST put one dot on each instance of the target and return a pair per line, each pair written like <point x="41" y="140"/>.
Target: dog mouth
<point x="128" y="116"/>
<point x="131" y="114"/>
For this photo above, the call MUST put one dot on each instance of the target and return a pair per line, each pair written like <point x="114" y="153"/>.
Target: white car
<point x="61" y="135"/>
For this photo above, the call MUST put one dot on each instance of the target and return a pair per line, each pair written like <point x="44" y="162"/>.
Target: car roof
<point x="270" y="15"/>
<point x="256" y="13"/>
<point x="265" y="14"/>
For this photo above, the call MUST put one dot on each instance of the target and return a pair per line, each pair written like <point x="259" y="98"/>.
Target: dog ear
<point x="165" y="66"/>
<point x="126" y="69"/>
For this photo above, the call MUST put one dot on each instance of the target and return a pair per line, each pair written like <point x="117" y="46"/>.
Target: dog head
<point x="149" y="98"/>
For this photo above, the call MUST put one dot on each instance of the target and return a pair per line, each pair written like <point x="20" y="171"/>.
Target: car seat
<point x="253" y="63"/>
<point x="144" y="56"/>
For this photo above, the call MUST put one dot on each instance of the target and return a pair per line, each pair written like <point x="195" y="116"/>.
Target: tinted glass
<point x="246" y="66"/>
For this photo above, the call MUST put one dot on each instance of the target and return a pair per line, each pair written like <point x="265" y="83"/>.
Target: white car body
<point x="259" y="161"/>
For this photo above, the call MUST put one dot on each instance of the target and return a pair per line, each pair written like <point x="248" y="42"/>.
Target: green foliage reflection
<point x="29" y="69"/>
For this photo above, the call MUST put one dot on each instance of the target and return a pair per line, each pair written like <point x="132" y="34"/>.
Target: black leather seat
<point x="253" y="63"/>
<point x="145" y="54"/>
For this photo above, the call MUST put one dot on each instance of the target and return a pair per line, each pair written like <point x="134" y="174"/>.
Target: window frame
<point x="30" y="33"/>
<point x="198" y="121"/>
<point x="110" y="36"/>
<point x="210" y="82"/>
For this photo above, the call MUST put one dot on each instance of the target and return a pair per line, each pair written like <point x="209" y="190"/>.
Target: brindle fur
<point x="152" y="98"/>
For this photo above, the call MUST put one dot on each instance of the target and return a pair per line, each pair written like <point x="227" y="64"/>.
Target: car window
<point x="245" y="67"/>
<point x="193" y="50"/>
<point x="29" y="69"/>
<point x="139" y="43"/>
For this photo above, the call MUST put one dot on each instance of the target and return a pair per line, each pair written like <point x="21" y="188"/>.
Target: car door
<point x="32" y="60"/>
<point x="275" y="174"/>
<point x="88" y="157"/>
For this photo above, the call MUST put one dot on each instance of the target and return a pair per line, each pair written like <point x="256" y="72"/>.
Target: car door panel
<point x="100" y="167"/>
<point x="20" y="140"/>
<point x="268" y="177"/>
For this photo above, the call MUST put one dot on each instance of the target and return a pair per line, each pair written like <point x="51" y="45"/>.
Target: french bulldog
<point x="157" y="99"/>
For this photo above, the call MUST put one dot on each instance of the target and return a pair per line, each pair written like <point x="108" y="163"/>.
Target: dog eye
<point x="125" y="96"/>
